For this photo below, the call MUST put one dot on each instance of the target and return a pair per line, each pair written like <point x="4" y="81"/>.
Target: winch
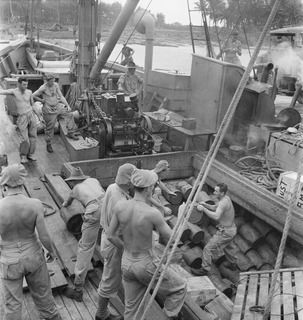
<point x="114" y="120"/>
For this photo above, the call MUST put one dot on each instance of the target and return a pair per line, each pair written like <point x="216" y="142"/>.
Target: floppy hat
<point x="143" y="178"/>
<point x="76" y="174"/>
<point x="124" y="173"/>
<point x="13" y="175"/>
<point x="161" y="166"/>
<point x="131" y="65"/>
<point x="49" y="76"/>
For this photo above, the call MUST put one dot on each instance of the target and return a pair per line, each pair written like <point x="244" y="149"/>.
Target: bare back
<point x="88" y="190"/>
<point x="228" y="212"/>
<point x="18" y="215"/>
<point x="137" y="221"/>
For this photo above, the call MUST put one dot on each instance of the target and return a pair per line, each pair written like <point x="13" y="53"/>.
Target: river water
<point x="173" y="58"/>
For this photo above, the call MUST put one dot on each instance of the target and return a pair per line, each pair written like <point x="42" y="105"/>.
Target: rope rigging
<point x="177" y="231"/>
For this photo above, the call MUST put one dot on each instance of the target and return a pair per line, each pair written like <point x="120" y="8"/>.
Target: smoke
<point x="287" y="60"/>
<point x="7" y="130"/>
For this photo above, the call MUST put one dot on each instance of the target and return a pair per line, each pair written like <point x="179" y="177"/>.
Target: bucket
<point x="157" y="143"/>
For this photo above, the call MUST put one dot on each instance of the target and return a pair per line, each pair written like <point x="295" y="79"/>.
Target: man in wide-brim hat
<point x="90" y="193"/>
<point x="130" y="83"/>
<point x="21" y="251"/>
<point x="55" y="107"/>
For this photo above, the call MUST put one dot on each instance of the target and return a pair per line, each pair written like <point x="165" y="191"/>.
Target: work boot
<point x="23" y="159"/>
<point x="31" y="157"/>
<point x="74" y="294"/>
<point x="72" y="136"/>
<point x="199" y="272"/>
<point x="49" y="147"/>
<point x="110" y="317"/>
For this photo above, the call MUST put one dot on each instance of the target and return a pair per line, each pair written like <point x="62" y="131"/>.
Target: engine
<point x="114" y="120"/>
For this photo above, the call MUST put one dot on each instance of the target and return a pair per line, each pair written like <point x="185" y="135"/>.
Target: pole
<point x="31" y="24"/>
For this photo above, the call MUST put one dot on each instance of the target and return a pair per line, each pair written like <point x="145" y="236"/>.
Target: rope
<point x="293" y="202"/>
<point x="177" y="231"/>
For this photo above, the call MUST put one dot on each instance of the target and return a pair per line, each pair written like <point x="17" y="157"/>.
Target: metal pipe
<point x="116" y="32"/>
<point x="145" y="24"/>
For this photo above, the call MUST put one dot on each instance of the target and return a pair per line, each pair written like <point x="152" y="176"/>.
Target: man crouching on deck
<point x="137" y="219"/>
<point x="224" y="213"/>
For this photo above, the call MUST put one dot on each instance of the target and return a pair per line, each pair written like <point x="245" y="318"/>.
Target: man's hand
<point x="65" y="204"/>
<point x="167" y="212"/>
<point x="50" y="257"/>
<point x="171" y="193"/>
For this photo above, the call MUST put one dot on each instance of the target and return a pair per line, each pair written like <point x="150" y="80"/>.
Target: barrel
<point x="203" y="197"/>
<point x="229" y="272"/>
<point x="186" y="232"/>
<point x="273" y="238"/>
<point x="72" y="216"/>
<point x="261" y="226"/>
<point x="290" y="261"/>
<point x="173" y="199"/>
<point x="192" y="256"/>
<point x="196" y="233"/>
<point x="185" y="188"/>
<point x="196" y="216"/>
<point x="249" y="233"/>
<point x="223" y="286"/>
<point x="266" y="253"/>
<point x="254" y="256"/>
<point x="243" y="262"/>
<point x="243" y="245"/>
<point x="239" y="221"/>
<point x="266" y="266"/>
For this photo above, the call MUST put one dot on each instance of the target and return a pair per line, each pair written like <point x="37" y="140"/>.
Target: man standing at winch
<point x="21" y="251"/>
<point x="232" y="49"/>
<point x="136" y="219"/>
<point x="55" y="107"/>
<point x="26" y="122"/>
<point x="223" y="212"/>
<point x="130" y="83"/>
<point x="111" y="275"/>
<point x="90" y="193"/>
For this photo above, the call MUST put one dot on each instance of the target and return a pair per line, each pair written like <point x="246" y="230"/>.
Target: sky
<point x="174" y="10"/>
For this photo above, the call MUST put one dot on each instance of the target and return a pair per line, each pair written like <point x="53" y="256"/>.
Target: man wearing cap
<point x="111" y="275"/>
<point x="26" y="122"/>
<point x="54" y="106"/>
<point x="89" y="193"/>
<point x="130" y="83"/>
<point x="136" y="219"/>
<point x="233" y="49"/>
<point x="21" y="251"/>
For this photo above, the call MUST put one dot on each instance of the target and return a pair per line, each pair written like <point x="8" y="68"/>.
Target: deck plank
<point x="251" y="298"/>
<point x="263" y="293"/>
<point x="240" y="298"/>
<point x="287" y="296"/>
<point x="299" y="293"/>
<point x="276" y="302"/>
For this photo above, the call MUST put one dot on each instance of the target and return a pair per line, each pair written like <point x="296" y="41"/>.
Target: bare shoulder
<point x="36" y="203"/>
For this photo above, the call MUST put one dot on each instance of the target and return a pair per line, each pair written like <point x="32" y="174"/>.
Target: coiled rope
<point x="177" y="231"/>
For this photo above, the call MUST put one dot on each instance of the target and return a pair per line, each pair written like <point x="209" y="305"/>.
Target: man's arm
<point x="42" y="231"/>
<point x="121" y="82"/>
<point x="112" y="234"/>
<point x="62" y="98"/>
<point x="166" y="211"/>
<point x="161" y="226"/>
<point x="7" y="92"/>
<point x="38" y="93"/>
<point x="69" y="200"/>
<point x="216" y="215"/>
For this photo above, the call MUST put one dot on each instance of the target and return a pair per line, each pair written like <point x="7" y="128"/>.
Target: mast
<point x="87" y="21"/>
<point x="31" y="24"/>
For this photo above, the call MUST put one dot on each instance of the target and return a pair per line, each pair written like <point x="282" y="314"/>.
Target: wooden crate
<point x="253" y="290"/>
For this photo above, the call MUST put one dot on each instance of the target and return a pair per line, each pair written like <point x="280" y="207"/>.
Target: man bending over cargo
<point x="21" y="250"/>
<point x="223" y="212"/>
<point x="90" y="193"/>
<point x="136" y="219"/>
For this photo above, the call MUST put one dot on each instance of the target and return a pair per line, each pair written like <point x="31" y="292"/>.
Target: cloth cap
<point x="143" y="178"/>
<point x="161" y="166"/>
<point x="50" y="76"/>
<point x="13" y="175"/>
<point x="124" y="173"/>
<point x="131" y="65"/>
<point x="76" y="174"/>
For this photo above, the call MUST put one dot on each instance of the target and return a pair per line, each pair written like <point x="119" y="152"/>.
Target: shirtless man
<point x="136" y="220"/>
<point x="223" y="212"/>
<point x="21" y="251"/>
<point x="90" y="193"/>
<point x="111" y="275"/>
<point x="26" y="122"/>
<point x="54" y="106"/>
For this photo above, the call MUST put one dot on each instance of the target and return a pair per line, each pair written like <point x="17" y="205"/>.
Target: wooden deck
<point x="253" y="291"/>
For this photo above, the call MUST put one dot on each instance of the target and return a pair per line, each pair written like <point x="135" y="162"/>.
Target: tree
<point x="160" y="20"/>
